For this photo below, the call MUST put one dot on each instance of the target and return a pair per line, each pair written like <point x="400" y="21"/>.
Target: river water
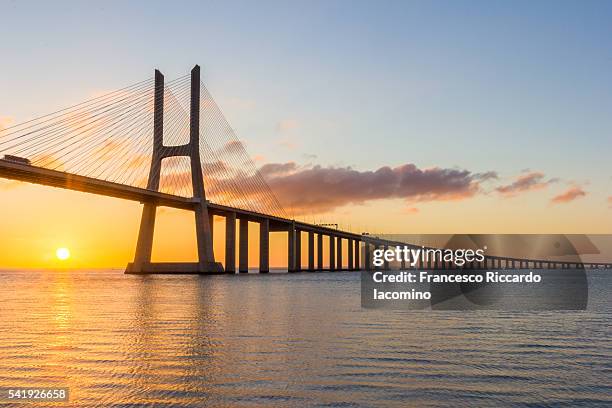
<point x="289" y="340"/>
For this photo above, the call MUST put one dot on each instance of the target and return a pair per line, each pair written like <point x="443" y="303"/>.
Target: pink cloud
<point x="320" y="189"/>
<point x="526" y="182"/>
<point x="569" y="195"/>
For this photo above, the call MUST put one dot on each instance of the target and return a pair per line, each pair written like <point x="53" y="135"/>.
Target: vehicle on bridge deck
<point x="16" y="159"/>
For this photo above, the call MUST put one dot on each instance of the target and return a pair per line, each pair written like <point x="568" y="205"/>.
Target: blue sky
<point x="490" y="85"/>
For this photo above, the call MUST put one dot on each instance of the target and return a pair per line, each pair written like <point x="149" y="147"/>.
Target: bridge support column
<point x="339" y="253"/>
<point x="320" y="251"/>
<point x="206" y="259"/>
<point x="357" y="264"/>
<point x="350" y="254"/>
<point x="243" y="247"/>
<point x="211" y="222"/>
<point x="144" y="246"/>
<point x="311" y="264"/>
<point x="298" y="250"/>
<point x="264" y="246"/>
<point x="230" y="243"/>
<point x="332" y="253"/>
<point x="291" y="249"/>
<point x="367" y="254"/>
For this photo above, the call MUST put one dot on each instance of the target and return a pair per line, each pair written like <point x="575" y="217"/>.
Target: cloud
<point x="569" y="195"/>
<point x="277" y="169"/>
<point x="525" y="182"/>
<point x="320" y="189"/>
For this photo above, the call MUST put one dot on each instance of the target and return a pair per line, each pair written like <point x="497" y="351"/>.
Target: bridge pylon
<point x="206" y="260"/>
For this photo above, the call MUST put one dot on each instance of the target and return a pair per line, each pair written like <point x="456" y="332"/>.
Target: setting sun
<point x="62" y="254"/>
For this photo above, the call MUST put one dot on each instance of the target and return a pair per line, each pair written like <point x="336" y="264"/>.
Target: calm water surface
<point x="289" y="340"/>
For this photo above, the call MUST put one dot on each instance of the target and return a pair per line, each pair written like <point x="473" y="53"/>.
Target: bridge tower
<point x="144" y="247"/>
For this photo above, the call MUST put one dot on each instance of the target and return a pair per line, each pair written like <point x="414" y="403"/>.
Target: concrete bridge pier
<point x="291" y="249"/>
<point x="243" y="247"/>
<point x="264" y="246"/>
<point x="350" y="254"/>
<point x="357" y="265"/>
<point x="298" y="250"/>
<point x="211" y="222"/>
<point x="332" y="253"/>
<point x="206" y="259"/>
<point x="311" y="264"/>
<point x="230" y="243"/>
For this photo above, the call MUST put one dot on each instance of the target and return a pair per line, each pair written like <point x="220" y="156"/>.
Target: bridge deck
<point x="54" y="178"/>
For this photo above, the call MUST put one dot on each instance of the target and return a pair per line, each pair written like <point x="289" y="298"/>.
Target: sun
<point x="62" y="254"/>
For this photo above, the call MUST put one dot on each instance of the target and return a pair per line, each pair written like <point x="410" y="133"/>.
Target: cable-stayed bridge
<point x="168" y="144"/>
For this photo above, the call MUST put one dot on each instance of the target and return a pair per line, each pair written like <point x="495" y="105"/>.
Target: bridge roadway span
<point x="54" y="178"/>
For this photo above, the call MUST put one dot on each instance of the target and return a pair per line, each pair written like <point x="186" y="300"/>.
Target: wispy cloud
<point x="569" y="195"/>
<point x="525" y="182"/>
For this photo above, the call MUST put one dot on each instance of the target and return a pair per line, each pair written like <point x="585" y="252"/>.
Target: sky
<point x="398" y="117"/>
